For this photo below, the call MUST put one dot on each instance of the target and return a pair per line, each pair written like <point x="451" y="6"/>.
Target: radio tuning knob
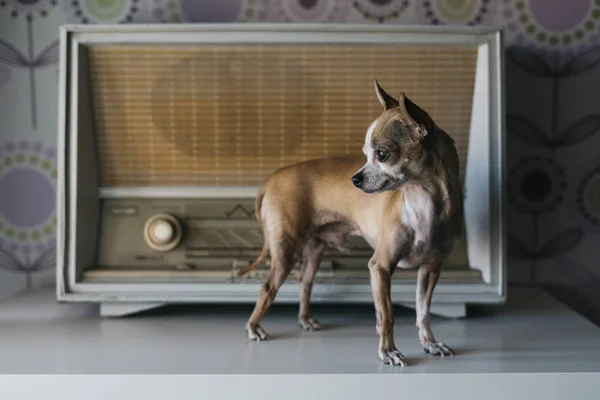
<point x="162" y="232"/>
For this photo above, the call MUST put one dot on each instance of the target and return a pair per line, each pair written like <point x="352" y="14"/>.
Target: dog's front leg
<point x="426" y="281"/>
<point x="380" y="269"/>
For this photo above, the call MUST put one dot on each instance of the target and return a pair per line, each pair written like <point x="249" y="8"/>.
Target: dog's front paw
<point x="437" y="348"/>
<point x="392" y="357"/>
<point x="309" y="324"/>
<point x="256" y="332"/>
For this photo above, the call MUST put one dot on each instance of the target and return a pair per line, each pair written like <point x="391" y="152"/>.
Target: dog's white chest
<point x="419" y="212"/>
<point x="419" y="217"/>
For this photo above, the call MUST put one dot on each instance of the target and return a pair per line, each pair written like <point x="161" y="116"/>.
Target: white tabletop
<point x="532" y="333"/>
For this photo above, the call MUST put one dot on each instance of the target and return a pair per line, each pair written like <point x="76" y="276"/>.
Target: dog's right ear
<point x="385" y="99"/>
<point x="420" y="116"/>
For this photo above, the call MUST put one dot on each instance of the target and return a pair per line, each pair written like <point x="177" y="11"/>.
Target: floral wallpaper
<point x="553" y="118"/>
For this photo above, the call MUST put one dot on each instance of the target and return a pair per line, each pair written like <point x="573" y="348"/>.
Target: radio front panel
<point x="167" y="132"/>
<point x="204" y="239"/>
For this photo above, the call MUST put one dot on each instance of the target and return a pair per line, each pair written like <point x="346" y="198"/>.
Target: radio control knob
<point x="162" y="232"/>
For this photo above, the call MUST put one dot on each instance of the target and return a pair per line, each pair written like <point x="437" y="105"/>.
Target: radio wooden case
<point x="167" y="131"/>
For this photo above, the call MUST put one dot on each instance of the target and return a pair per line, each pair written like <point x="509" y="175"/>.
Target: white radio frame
<point x="79" y="195"/>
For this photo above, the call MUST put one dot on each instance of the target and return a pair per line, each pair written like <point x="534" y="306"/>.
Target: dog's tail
<point x="265" y="249"/>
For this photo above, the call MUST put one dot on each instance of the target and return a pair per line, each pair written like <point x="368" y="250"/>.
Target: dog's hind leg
<point x="282" y="261"/>
<point x="426" y="280"/>
<point x="312" y="254"/>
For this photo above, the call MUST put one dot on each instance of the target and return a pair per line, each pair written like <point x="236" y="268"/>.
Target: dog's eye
<point x="381" y="155"/>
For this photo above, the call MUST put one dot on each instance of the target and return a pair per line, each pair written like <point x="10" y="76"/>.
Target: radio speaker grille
<point x="228" y="115"/>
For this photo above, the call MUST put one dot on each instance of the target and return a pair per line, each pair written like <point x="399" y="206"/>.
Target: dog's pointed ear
<point x="423" y="121"/>
<point x="385" y="99"/>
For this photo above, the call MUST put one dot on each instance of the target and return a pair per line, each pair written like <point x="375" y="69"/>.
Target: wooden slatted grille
<point x="228" y="115"/>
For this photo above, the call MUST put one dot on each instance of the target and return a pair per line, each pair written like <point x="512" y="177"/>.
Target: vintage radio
<point x="167" y="131"/>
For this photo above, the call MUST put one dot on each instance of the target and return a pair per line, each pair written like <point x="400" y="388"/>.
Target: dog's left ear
<point x="385" y="99"/>
<point x="418" y="115"/>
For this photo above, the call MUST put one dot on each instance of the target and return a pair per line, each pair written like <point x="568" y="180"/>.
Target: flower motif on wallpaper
<point x="206" y="11"/>
<point x="553" y="24"/>
<point x="588" y="196"/>
<point x="102" y="11"/>
<point x="558" y="244"/>
<point x="306" y="10"/>
<point x="30" y="9"/>
<point x="575" y="133"/>
<point x="536" y="184"/>
<point x="554" y="65"/>
<point x="554" y="68"/>
<point x="27" y="206"/>
<point x="456" y="12"/>
<point x="31" y="61"/>
<point x="380" y="11"/>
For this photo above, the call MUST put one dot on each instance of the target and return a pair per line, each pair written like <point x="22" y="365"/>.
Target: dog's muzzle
<point x="357" y="180"/>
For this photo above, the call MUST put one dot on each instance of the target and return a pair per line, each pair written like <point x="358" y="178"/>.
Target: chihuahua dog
<point x="406" y="201"/>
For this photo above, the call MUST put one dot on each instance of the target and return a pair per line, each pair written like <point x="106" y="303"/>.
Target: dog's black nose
<point x="357" y="179"/>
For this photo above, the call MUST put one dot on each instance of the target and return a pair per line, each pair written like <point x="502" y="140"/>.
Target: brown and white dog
<point x="409" y="209"/>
